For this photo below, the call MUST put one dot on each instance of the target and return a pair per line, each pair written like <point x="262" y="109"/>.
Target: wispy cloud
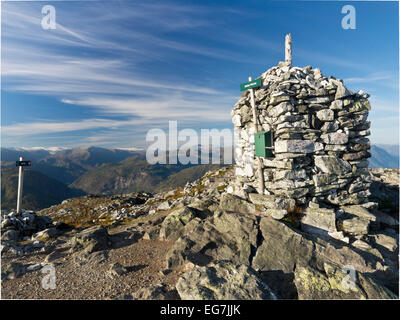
<point x="114" y="60"/>
<point x="377" y="76"/>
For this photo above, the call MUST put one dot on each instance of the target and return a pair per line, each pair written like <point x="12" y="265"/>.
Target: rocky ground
<point x="202" y="242"/>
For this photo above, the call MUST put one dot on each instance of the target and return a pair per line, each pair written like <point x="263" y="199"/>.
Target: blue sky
<point x="112" y="70"/>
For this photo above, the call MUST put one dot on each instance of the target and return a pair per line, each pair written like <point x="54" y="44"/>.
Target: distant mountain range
<point x="40" y="191"/>
<point x="57" y="174"/>
<point x="92" y="170"/>
<point x="384" y="156"/>
<point x="66" y="165"/>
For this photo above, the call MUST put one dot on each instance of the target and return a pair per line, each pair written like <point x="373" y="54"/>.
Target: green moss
<point x="221" y="188"/>
<point x="313" y="281"/>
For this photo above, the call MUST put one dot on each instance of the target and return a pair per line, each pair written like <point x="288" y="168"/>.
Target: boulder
<point x="164" y="205"/>
<point x="223" y="281"/>
<point x="153" y="292"/>
<point x="55" y="255"/>
<point x="283" y="248"/>
<point x="226" y="236"/>
<point x="81" y="258"/>
<point x="91" y="240"/>
<point x="10" y="235"/>
<point x="332" y="165"/>
<point x="341" y="91"/>
<point x="297" y="146"/>
<point x="232" y="203"/>
<point x="173" y="225"/>
<point x="272" y="201"/>
<point x="116" y="270"/>
<point x="359" y="211"/>
<point x="319" y="221"/>
<point x="45" y="234"/>
<point x="12" y="270"/>
<point x="355" y="225"/>
<point x="325" y="115"/>
<point x="391" y="243"/>
<point x="335" y="138"/>
<point x="337" y="283"/>
<point x="277" y="214"/>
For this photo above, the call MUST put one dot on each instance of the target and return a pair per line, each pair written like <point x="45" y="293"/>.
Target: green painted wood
<point x="251" y="84"/>
<point x="262" y="141"/>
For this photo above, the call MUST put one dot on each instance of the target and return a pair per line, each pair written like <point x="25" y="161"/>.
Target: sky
<point x="112" y="70"/>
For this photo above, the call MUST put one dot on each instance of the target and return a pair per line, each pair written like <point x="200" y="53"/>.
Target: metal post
<point x="255" y="120"/>
<point x="20" y="185"/>
<point x="288" y="49"/>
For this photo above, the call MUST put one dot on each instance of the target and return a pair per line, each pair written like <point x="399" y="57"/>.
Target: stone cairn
<point x="320" y="142"/>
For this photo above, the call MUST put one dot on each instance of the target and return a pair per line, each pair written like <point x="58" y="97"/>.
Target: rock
<point x="386" y="219"/>
<point x="272" y="201"/>
<point x="277" y="214"/>
<point x="136" y="235"/>
<point x="386" y="241"/>
<point x="330" y="126"/>
<point x="335" y="138"/>
<point x="319" y="221"/>
<point x="10" y="235"/>
<point x="164" y="205"/>
<point x="81" y="258"/>
<point x="333" y="165"/>
<point x="341" y="91"/>
<point x="232" y="203"/>
<point x="45" y="234"/>
<point x="359" y="211"/>
<point x="43" y="222"/>
<point x="116" y="270"/>
<point x="173" y="225"/>
<point x="12" y="270"/>
<point x="241" y="228"/>
<point x="154" y="292"/>
<point x="226" y="236"/>
<point x="280" y="109"/>
<point x="55" y="255"/>
<point x="354" y="225"/>
<point x="223" y="281"/>
<point x="237" y="120"/>
<point x="283" y="248"/>
<point x="297" y="146"/>
<point x="335" y="283"/>
<point x="356" y="155"/>
<point x="325" y="115"/>
<point x="91" y="240"/>
<point x="248" y="170"/>
<point x="33" y="267"/>
<point x="361" y="245"/>
<point x="151" y="234"/>
<point x="338" y="235"/>
<point x="319" y="100"/>
<point x="336" y="105"/>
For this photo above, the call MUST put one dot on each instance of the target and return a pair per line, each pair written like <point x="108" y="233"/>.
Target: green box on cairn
<point x="263" y="144"/>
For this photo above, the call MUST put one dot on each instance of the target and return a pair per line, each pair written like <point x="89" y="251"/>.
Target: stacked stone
<point x="320" y="131"/>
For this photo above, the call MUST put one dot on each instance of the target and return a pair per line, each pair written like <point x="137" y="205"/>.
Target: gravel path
<point x="143" y="260"/>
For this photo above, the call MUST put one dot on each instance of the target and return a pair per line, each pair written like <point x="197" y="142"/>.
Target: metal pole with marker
<point x="20" y="185"/>
<point x="21" y="164"/>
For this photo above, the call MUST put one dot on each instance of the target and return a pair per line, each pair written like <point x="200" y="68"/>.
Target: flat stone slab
<point x="332" y="165"/>
<point x="271" y="201"/>
<point x="297" y="146"/>
<point x="359" y="211"/>
<point x="320" y="221"/>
